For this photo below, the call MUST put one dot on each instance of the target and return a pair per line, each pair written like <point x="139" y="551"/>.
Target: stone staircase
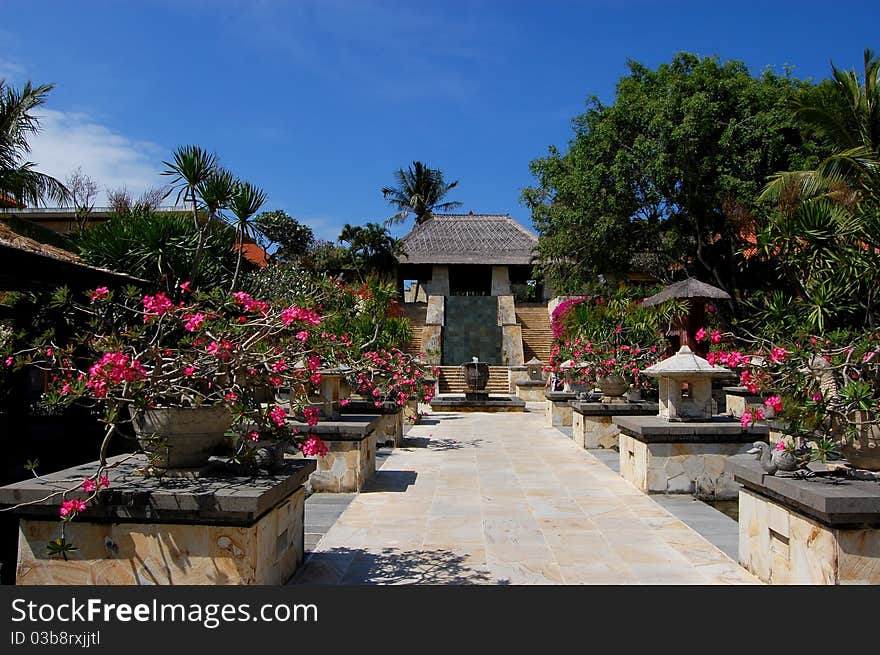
<point x="537" y="335"/>
<point x="451" y="380"/>
<point x="416" y="312"/>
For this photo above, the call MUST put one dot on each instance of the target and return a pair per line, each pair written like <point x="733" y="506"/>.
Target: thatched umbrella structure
<point x="697" y="294"/>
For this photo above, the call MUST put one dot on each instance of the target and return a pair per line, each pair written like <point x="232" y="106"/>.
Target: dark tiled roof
<point x="469" y="239"/>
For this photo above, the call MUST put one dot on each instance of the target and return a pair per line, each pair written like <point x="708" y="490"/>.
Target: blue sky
<point x="318" y="102"/>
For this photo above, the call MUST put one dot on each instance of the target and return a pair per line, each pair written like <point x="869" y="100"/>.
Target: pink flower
<point x="185" y="286"/>
<point x="780" y="445"/>
<point x="10" y="361"/>
<point x="715" y="337"/>
<point x="302" y="335"/>
<point x="155" y="306"/>
<point x="818" y="397"/>
<point x="231" y="396"/>
<point x="294" y="313"/>
<point x="712" y="357"/>
<point x="700" y="334"/>
<point x="759" y="414"/>
<point x="103" y="481"/>
<point x="189" y="370"/>
<point x="774" y="403"/>
<point x="344" y="402"/>
<point x="88" y="485"/>
<point x="314" y="446"/>
<point x="279" y="366"/>
<point x="746" y="419"/>
<point x="250" y="305"/>
<point x="65" y="389"/>
<point x="100" y="293"/>
<point x="195" y="322"/>
<point x="311" y="414"/>
<point x="777" y="354"/>
<point x="278" y="415"/>
<point x="72" y="506"/>
<point x="253" y="435"/>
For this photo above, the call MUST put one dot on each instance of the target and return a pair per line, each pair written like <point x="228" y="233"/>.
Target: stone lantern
<point x="535" y="368"/>
<point x="685" y="382"/>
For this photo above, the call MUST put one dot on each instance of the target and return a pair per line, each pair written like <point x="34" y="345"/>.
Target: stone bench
<point x="220" y="529"/>
<point x="660" y="456"/>
<point x="558" y="411"/>
<point x="389" y="429"/>
<point x="351" y="457"/>
<point x="592" y="424"/>
<point x="819" y="530"/>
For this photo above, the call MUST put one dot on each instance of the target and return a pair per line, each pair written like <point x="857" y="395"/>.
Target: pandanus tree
<point x="190" y="168"/>
<point x="246" y="201"/>
<point x="419" y="192"/>
<point x="18" y="179"/>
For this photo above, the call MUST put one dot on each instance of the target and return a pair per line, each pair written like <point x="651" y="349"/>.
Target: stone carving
<point x="780" y="459"/>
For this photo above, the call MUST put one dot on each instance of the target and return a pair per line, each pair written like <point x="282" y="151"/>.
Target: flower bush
<point x="825" y="390"/>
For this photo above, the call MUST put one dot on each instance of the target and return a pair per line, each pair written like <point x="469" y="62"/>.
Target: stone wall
<point x="781" y="546"/>
<point x="266" y="553"/>
<point x="685" y="468"/>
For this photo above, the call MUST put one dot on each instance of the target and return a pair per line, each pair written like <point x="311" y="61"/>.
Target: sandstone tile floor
<point x="501" y="499"/>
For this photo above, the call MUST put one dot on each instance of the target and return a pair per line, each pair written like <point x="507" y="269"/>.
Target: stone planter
<point x="863" y="452"/>
<point x="613" y="386"/>
<point x="180" y="437"/>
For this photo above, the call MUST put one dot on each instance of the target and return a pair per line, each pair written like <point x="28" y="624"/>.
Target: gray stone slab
<point x="640" y="408"/>
<point x="828" y="497"/>
<point x="349" y="427"/>
<point x="369" y="407"/>
<point x="459" y="403"/>
<point x="560" y="396"/>
<point x="653" y="429"/>
<point x="133" y="497"/>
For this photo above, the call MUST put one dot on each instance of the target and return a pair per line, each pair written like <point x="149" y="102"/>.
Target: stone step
<point x="451" y="380"/>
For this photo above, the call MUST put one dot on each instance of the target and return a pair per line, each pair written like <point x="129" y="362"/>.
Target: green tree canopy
<point x="294" y="239"/>
<point x="666" y="177"/>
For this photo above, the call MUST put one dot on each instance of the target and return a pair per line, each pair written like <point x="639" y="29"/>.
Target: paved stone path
<point x="500" y="499"/>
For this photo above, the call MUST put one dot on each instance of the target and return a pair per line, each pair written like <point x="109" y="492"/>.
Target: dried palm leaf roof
<point x="469" y="239"/>
<point x="689" y="288"/>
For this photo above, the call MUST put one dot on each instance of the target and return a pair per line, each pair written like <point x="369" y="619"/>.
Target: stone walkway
<point x="500" y="499"/>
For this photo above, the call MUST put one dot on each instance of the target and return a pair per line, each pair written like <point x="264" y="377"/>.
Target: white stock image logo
<point x="210" y="615"/>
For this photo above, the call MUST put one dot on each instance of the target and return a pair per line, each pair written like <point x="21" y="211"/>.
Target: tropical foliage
<point x="666" y="178"/>
<point x="19" y="179"/>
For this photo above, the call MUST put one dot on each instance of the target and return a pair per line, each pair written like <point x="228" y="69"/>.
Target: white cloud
<point x="67" y="140"/>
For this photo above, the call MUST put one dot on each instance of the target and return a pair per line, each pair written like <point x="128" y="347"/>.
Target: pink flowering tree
<point x="392" y="376"/>
<point x="825" y="391"/>
<point x="608" y="335"/>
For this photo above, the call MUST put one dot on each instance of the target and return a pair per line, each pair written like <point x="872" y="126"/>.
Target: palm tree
<point x="246" y="201"/>
<point x="850" y="125"/>
<point x="190" y="167"/>
<point x="419" y="191"/>
<point x="18" y="179"/>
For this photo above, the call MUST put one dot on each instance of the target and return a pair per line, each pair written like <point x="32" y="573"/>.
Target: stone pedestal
<point x="739" y="399"/>
<point x="558" y="410"/>
<point x="145" y="530"/>
<point x="389" y="429"/>
<point x="659" y="456"/>
<point x="531" y="391"/>
<point x="820" y="530"/>
<point x="461" y="403"/>
<point x="351" y="457"/>
<point x="592" y="425"/>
